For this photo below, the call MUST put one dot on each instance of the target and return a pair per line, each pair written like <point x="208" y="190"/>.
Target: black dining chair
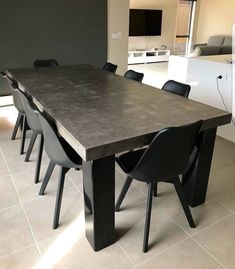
<point x="21" y="122"/>
<point x="112" y="68"/>
<point x="60" y="153"/>
<point x="133" y="75"/>
<point x="165" y="159"/>
<point x="45" y="63"/>
<point x="177" y="88"/>
<point x="31" y="115"/>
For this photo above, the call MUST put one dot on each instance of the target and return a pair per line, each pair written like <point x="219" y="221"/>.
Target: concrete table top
<point x="101" y="114"/>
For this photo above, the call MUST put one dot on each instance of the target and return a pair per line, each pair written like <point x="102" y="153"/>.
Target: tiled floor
<point x="27" y="239"/>
<point x="155" y="74"/>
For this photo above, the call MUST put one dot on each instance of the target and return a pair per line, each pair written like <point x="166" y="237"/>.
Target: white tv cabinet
<point x="148" y="56"/>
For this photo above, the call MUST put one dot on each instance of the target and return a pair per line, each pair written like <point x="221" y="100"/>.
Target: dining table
<point x="101" y="114"/>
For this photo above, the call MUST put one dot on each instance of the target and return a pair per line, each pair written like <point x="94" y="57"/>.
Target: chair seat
<point x="129" y="160"/>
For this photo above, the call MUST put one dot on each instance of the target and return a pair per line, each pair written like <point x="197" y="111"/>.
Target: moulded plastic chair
<point x="34" y="124"/>
<point x="21" y="121"/>
<point x="60" y="153"/>
<point x="45" y="63"/>
<point x="177" y="88"/>
<point x="110" y="67"/>
<point x="165" y="159"/>
<point x="133" y="75"/>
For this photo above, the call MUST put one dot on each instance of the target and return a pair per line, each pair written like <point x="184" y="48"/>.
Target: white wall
<point x="118" y="28"/>
<point x="201" y="73"/>
<point x="214" y="17"/>
<point x="169" y="8"/>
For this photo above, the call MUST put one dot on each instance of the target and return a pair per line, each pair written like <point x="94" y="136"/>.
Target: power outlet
<point x="224" y="76"/>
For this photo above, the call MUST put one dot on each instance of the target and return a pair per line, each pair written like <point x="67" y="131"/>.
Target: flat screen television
<point x="145" y="22"/>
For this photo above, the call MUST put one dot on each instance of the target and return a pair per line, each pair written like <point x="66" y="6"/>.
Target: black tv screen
<point x="145" y="22"/>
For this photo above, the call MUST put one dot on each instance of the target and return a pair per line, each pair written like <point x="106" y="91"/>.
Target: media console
<point x="148" y="56"/>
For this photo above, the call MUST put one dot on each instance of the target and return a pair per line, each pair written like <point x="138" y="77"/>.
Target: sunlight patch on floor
<point x="62" y="245"/>
<point x="8" y="115"/>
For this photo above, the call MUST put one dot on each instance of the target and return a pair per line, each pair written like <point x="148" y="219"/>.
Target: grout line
<point x="208" y="253"/>
<point x="124" y="252"/>
<point x="17" y="251"/>
<point x="133" y="182"/>
<point x="21" y="204"/>
<point x="231" y="211"/>
<point x="74" y="184"/>
<point x="162" y="251"/>
<point x="191" y="236"/>
<point x="212" y="224"/>
<point x="9" y="207"/>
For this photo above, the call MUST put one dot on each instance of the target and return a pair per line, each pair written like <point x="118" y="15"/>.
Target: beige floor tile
<point x="222" y="187"/>
<point x="40" y="213"/>
<point x="155" y="74"/>
<point x="28" y="190"/>
<point x="204" y="215"/>
<point x="219" y="240"/>
<point x="16" y="162"/>
<point x="133" y="196"/>
<point x="184" y="255"/>
<point x="130" y="226"/>
<point x="15" y="233"/>
<point x="75" y="176"/>
<point x="25" y="259"/>
<point x="10" y="146"/>
<point x="3" y="167"/>
<point x="77" y="253"/>
<point x="8" y="195"/>
<point x="224" y="154"/>
<point x="8" y="117"/>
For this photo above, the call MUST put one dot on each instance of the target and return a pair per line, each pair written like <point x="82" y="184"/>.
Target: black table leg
<point x="195" y="181"/>
<point x="99" y="191"/>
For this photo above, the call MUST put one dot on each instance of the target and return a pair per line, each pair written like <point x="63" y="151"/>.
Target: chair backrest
<point x="168" y="155"/>
<point x="53" y="145"/>
<point x="131" y="74"/>
<point x="177" y="88"/>
<point x="13" y="86"/>
<point x="30" y="111"/>
<point x="45" y="63"/>
<point x="110" y="67"/>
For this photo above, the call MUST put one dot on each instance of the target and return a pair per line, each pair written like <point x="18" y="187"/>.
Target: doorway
<point x="184" y="26"/>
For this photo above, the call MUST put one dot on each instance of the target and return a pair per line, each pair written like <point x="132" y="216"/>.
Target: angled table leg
<point x="195" y="181"/>
<point x="99" y="191"/>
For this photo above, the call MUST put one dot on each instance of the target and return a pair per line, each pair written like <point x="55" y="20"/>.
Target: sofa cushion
<point x="215" y="41"/>
<point x="206" y="50"/>
<point x="226" y="50"/>
<point x="227" y="41"/>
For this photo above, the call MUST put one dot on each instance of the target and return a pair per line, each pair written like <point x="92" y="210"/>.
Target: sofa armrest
<point x="206" y="50"/>
<point x="194" y="46"/>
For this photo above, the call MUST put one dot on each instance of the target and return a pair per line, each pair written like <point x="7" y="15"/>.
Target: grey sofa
<point x="216" y="45"/>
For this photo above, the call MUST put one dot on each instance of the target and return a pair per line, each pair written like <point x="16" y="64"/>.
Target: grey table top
<point x="101" y="114"/>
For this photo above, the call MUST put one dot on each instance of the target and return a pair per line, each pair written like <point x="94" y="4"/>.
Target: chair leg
<point x="148" y="216"/>
<point x="180" y="192"/>
<point x="59" y="196"/>
<point x="17" y="125"/>
<point x="31" y="144"/>
<point x="39" y="159"/>
<point x="23" y="135"/>
<point x="155" y="189"/>
<point x="47" y="177"/>
<point x="123" y="192"/>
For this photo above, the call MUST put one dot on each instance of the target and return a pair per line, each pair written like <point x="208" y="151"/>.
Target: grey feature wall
<point x="71" y="31"/>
